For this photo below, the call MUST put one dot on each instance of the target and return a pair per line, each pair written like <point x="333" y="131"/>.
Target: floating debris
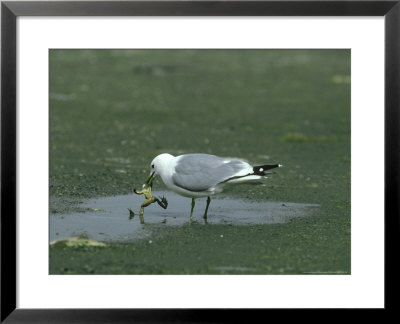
<point x="75" y="241"/>
<point x="131" y="214"/>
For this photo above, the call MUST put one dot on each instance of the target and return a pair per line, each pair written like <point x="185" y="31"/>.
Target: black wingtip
<point x="260" y="169"/>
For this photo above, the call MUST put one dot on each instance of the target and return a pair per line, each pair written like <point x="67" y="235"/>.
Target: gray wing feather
<point x="199" y="172"/>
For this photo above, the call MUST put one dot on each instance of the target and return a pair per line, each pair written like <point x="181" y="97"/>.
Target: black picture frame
<point x="10" y="10"/>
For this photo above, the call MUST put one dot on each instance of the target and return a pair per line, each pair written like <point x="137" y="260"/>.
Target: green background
<point x="113" y="111"/>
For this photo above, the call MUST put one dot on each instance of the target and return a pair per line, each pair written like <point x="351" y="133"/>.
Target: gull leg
<point x="191" y="211"/>
<point x="208" y="203"/>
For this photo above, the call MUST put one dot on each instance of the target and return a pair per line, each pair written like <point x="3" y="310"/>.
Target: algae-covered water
<point x="113" y="111"/>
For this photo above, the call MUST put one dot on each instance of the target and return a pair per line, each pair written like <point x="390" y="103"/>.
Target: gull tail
<point x="260" y="169"/>
<point x="258" y="173"/>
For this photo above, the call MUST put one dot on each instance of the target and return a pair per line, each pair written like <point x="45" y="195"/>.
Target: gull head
<point x="158" y="166"/>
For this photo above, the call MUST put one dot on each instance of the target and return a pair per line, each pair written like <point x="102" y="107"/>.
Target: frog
<point x="150" y="199"/>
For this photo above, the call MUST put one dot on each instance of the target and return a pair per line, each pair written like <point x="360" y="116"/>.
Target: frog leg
<point x="147" y="202"/>
<point x="162" y="202"/>
<point x="138" y="192"/>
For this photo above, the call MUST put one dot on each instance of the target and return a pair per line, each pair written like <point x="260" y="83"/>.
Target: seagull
<point x="202" y="175"/>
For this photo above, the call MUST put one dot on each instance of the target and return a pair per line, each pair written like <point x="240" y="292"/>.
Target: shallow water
<point x="109" y="219"/>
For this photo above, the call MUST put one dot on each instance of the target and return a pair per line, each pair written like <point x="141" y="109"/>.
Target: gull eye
<point x="152" y="166"/>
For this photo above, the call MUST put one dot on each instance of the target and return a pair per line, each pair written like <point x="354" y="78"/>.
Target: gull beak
<point x="149" y="180"/>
